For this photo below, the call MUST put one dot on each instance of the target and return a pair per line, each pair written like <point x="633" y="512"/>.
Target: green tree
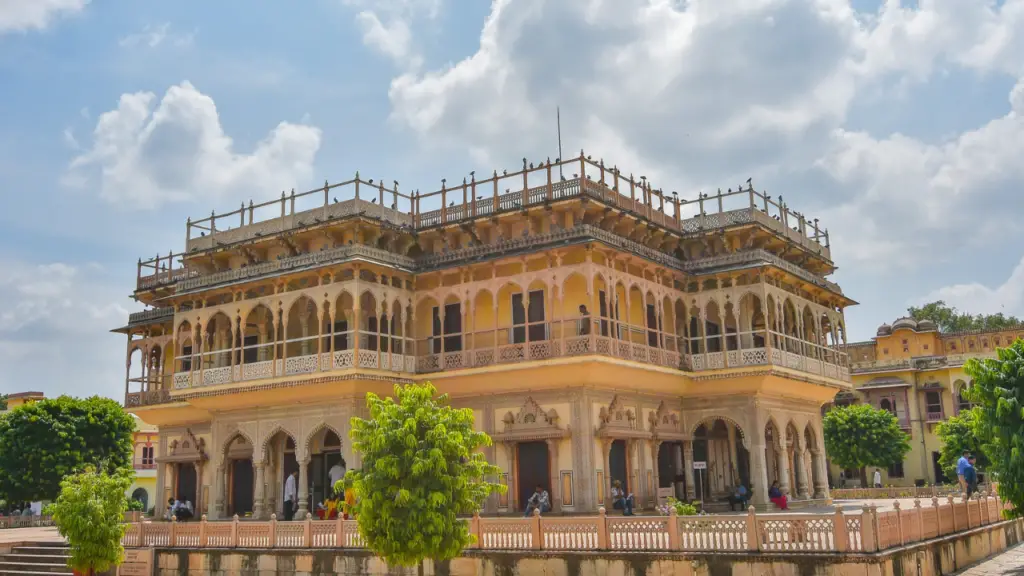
<point x="949" y="319"/>
<point x="860" y="435"/>
<point x="3" y="402"/>
<point x="42" y="442"/>
<point x="421" y="469"/>
<point x="957" y="434"/>
<point x="89" y="512"/>
<point x="998" y="396"/>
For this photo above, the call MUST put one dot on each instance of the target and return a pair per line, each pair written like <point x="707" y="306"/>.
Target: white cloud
<point x="387" y="26"/>
<point x="20" y="15"/>
<point x="53" y="328"/>
<point x="1007" y="298"/>
<point x="153" y="36"/>
<point x="146" y="153"/>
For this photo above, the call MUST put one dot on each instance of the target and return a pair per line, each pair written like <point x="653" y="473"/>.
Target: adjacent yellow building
<point x="915" y="371"/>
<point x="143" y="488"/>
<point x="599" y="328"/>
<point x="22" y="398"/>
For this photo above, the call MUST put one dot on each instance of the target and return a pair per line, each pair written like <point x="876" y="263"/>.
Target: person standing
<point x="335" y="474"/>
<point x="971" y="478"/>
<point x="291" y="500"/>
<point x="961" y="466"/>
<point x="878" y="478"/>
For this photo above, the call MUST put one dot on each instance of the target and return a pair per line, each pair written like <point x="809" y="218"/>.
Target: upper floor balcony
<point x="475" y="199"/>
<point x="569" y="311"/>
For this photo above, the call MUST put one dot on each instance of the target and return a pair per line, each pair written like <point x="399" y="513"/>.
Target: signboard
<point x="137" y="562"/>
<point x="700" y="465"/>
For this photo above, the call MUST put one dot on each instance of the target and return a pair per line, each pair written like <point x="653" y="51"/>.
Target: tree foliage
<point x="421" y="469"/>
<point x="860" y="435"/>
<point x="958" y="434"/>
<point x="949" y="319"/>
<point x="998" y="395"/>
<point x="89" y="512"/>
<point x="42" y="442"/>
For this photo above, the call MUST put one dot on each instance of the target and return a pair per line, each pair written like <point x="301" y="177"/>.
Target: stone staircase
<point x="36" y="558"/>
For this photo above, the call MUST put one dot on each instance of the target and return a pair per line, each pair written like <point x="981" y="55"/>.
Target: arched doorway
<point x="325" y="454"/>
<point x="185" y="490"/>
<point x="533" y="469"/>
<point x="618" y="468"/>
<point x="670" y="469"/>
<point x="140" y="495"/>
<point x="240" y="481"/>
<point x="719" y="444"/>
<point x="279" y="462"/>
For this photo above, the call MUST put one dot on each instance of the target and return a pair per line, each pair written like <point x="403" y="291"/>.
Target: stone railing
<point x="898" y="492"/>
<point x="25" y="521"/>
<point x="867" y="531"/>
<point x="155" y="314"/>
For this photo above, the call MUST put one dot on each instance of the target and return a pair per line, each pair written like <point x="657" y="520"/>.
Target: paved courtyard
<point x="1009" y="563"/>
<point x="48" y="534"/>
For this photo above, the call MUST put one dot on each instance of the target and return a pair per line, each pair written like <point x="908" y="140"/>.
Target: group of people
<point x="180" y="509"/>
<point x="540" y="500"/>
<point x="967" y="474"/>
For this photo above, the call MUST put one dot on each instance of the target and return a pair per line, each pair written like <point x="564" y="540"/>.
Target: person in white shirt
<point x="335" y="474"/>
<point x="291" y="499"/>
<point x="878" y="478"/>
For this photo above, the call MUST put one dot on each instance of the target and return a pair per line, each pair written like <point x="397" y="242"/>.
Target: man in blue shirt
<point x="961" y="468"/>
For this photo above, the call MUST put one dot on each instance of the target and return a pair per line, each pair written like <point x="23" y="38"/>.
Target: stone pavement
<point x="12" y="535"/>
<point x="1009" y="563"/>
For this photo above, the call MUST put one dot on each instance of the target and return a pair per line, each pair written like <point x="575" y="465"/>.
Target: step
<point x="19" y="568"/>
<point x="33" y="558"/>
<point x="41" y="550"/>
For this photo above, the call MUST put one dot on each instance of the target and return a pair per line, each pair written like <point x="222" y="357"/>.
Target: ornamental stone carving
<point x="531" y="422"/>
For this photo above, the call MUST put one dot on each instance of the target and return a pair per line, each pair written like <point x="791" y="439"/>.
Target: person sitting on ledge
<point x="539" y="500"/>
<point x="776" y="496"/>
<point x="740" y="496"/>
<point x="621" y="500"/>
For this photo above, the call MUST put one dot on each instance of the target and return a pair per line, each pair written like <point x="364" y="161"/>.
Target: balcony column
<point x="284" y="342"/>
<point x="802" y="486"/>
<point x="733" y="458"/>
<point x="759" y="471"/>
<point x="202" y="351"/>
<point x="526" y="319"/>
<point x="303" y="487"/>
<point x="259" y="504"/>
<point x="234" y="343"/>
<point x="275" y="325"/>
<point x="820" y="472"/>
<point x="220" y="484"/>
<point x="655" y="448"/>
<point x="355" y="324"/>
<point x="782" y="456"/>
<point x="691" y="487"/>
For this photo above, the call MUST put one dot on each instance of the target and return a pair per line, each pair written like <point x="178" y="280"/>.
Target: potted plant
<point x="89" y="513"/>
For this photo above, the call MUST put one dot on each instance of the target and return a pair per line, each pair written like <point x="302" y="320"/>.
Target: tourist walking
<point x="291" y="500"/>
<point x="961" y="467"/>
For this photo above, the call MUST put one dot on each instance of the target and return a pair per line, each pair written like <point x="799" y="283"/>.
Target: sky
<point x="898" y="124"/>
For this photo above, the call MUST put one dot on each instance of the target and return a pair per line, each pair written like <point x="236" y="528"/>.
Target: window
<point x="997" y="341"/>
<point x="933" y="404"/>
<point x="970" y="344"/>
<point x="653" y="324"/>
<point x="961" y="402"/>
<point x="887" y="404"/>
<point x="452" y="328"/>
<point x="531" y="320"/>
<point x="147" y="455"/>
<point x="906" y="346"/>
<point x="952" y="346"/>
<point x="885" y="350"/>
<point x="925" y="346"/>
<point x="896" y="470"/>
<point x="186" y="361"/>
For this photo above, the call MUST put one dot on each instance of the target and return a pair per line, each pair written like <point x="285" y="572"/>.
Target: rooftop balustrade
<point x="482" y="198"/>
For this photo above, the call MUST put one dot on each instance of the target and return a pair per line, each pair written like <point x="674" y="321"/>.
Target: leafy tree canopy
<point x="998" y="395"/>
<point x="421" y="469"/>
<point x="860" y="435"/>
<point x="957" y="434"/>
<point x="42" y="442"/>
<point x="89" y="512"/>
<point x="949" y="319"/>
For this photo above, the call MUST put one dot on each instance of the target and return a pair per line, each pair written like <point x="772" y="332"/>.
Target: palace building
<point x="915" y="371"/>
<point x="600" y="329"/>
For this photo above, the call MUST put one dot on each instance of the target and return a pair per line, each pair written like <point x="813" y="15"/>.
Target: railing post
<point x="673" y="530"/>
<point x="967" y="507"/>
<point x="142" y="533"/>
<point x="938" y="516"/>
<point x="899" y="522"/>
<point x="952" y="510"/>
<point x="234" y="532"/>
<point x="474" y="529"/>
<point x="868" y="529"/>
<point x="920" y="519"/>
<point x="202" y="531"/>
<point x="538" y="537"/>
<point x="602" y="529"/>
<point x="307" y="531"/>
<point x="172" y="539"/>
<point x="339" y="531"/>
<point x="273" y="531"/>
<point x="839" y="533"/>
<point x="753" y="540"/>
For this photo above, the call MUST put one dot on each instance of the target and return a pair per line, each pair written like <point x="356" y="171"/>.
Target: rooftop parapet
<point x="531" y="186"/>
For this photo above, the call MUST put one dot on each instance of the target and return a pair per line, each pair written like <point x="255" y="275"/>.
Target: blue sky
<point x="898" y="124"/>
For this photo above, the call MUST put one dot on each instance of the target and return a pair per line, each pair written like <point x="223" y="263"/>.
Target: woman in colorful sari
<point x="776" y="496"/>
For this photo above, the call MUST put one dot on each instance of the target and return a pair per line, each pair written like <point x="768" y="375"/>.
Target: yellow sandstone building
<point x="598" y="328"/>
<point x="916" y="372"/>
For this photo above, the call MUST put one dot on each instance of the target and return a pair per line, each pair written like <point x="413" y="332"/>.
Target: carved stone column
<point x="556" y="489"/>
<point x="259" y="505"/>
<point x="606" y="449"/>
<point x="802" y="485"/>
<point x="303" y="507"/>
<point x="691" y="486"/>
<point x="220" y="487"/>
<point x="820" y="474"/>
<point x="783" y="464"/>
<point x="655" y="447"/>
<point x="759" y="475"/>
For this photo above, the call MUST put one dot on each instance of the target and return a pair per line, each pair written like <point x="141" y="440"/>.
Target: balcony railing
<point x="934" y="415"/>
<point x="528" y="342"/>
<point x="144" y="464"/>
